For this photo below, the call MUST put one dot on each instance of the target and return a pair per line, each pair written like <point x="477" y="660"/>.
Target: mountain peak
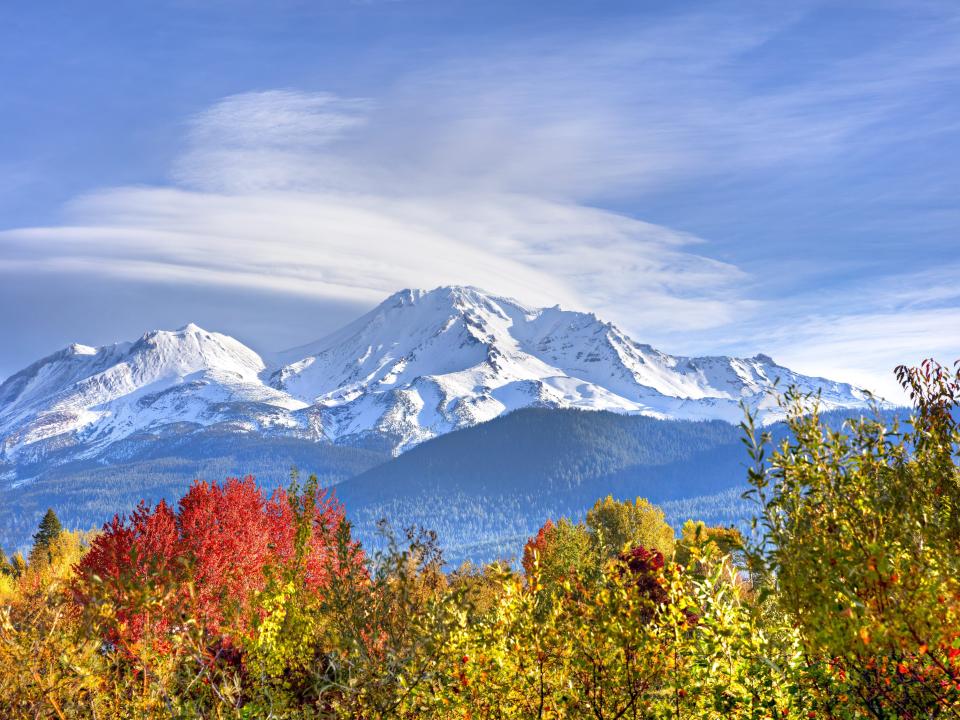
<point x="78" y="349"/>
<point x="190" y="329"/>
<point x="454" y="295"/>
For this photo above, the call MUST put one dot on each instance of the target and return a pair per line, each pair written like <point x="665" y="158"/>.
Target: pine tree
<point x="48" y="532"/>
<point x="5" y="567"/>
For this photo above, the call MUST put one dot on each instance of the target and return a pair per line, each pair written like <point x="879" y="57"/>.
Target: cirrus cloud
<point x="268" y="194"/>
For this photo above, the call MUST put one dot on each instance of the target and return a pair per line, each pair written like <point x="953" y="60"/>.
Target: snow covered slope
<point x="420" y="364"/>
<point x="77" y="403"/>
<point x="426" y="362"/>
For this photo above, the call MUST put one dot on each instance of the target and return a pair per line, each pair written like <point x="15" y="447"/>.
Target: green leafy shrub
<point x="862" y="541"/>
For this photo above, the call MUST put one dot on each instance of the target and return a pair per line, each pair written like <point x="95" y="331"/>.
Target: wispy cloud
<point x="700" y="95"/>
<point x="864" y="348"/>
<point x="276" y="139"/>
<point x="862" y="330"/>
<point x="362" y="247"/>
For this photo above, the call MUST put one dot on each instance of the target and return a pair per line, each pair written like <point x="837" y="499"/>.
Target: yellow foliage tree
<point x="621" y="524"/>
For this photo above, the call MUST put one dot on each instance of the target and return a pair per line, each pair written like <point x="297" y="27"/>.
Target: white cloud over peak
<point x="361" y="247"/>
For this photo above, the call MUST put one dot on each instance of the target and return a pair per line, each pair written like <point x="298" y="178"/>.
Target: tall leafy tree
<point x="558" y="551"/>
<point x="697" y="538"/>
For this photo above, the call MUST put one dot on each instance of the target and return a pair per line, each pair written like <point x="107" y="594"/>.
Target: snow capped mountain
<point x="80" y="401"/>
<point x="420" y="364"/>
<point x="424" y="363"/>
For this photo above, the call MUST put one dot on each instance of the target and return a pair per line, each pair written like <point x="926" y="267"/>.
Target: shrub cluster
<point x="845" y="603"/>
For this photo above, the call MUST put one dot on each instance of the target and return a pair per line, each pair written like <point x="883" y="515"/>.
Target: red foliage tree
<point x="205" y="561"/>
<point x="645" y="568"/>
<point x="537" y="547"/>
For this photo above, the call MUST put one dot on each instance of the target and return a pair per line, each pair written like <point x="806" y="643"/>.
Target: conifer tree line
<point x="844" y="601"/>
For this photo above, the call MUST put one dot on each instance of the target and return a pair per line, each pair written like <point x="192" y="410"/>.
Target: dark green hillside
<point x="486" y="489"/>
<point x="553" y="451"/>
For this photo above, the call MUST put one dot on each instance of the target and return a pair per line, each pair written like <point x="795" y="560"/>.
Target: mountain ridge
<point x="420" y="364"/>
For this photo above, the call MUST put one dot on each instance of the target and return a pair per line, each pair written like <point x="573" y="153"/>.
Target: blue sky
<point x="725" y="177"/>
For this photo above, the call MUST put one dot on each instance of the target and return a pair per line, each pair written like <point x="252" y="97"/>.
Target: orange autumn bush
<point x="208" y="559"/>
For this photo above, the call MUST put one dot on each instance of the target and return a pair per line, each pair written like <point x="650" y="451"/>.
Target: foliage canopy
<point x="844" y="604"/>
